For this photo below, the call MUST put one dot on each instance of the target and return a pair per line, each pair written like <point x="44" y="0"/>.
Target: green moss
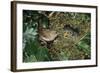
<point x="69" y="47"/>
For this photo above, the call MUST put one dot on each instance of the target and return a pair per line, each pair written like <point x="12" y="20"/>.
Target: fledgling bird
<point x="71" y="30"/>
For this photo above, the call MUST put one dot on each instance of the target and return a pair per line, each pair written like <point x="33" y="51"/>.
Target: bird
<point x="71" y="30"/>
<point x="47" y="36"/>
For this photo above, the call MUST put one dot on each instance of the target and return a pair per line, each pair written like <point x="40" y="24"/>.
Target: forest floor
<point x="73" y="41"/>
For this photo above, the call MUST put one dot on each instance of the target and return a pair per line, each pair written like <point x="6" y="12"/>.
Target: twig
<point x="51" y="14"/>
<point x="82" y="37"/>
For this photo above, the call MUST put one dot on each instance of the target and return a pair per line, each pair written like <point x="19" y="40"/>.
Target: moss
<point x="67" y="45"/>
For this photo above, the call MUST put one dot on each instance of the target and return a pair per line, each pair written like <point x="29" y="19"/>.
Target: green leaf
<point x="32" y="58"/>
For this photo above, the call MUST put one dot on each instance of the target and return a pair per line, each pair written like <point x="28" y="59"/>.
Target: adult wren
<point x="47" y="35"/>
